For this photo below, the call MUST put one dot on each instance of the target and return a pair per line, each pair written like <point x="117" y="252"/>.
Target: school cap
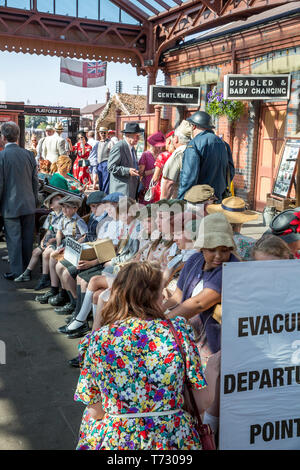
<point x="96" y="197"/>
<point x="47" y="201"/>
<point x="113" y="197"/>
<point x="71" y="201"/>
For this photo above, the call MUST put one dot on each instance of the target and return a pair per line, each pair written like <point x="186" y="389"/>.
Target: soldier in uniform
<point x="71" y="225"/>
<point x="55" y="145"/>
<point x="207" y="158"/>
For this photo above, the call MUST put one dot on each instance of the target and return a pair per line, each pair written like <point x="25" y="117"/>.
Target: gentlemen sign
<point x="173" y="95"/>
<point x="257" y="87"/>
<point x="260" y="365"/>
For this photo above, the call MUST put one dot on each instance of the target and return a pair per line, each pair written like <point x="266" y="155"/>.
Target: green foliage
<point x="217" y="106"/>
<point x="35" y="121"/>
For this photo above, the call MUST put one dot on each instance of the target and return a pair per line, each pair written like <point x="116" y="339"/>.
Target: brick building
<point x="267" y="43"/>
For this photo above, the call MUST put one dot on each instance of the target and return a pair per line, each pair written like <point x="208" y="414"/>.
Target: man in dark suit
<point x="122" y="163"/>
<point x="18" y="198"/>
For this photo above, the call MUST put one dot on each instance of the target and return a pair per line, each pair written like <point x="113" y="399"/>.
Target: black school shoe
<point x="43" y="298"/>
<point x="59" y="300"/>
<point x="65" y="310"/>
<point x="74" y="362"/>
<point x="77" y="333"/>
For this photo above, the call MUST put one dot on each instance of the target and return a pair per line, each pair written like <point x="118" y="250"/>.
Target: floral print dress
<point x="134" y="366"/>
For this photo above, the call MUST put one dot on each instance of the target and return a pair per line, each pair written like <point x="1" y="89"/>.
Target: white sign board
<point x="260" y="365"/>
<point x="72" y="251"/>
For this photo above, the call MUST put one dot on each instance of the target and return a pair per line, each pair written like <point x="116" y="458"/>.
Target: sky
<point x="35" y="78"/>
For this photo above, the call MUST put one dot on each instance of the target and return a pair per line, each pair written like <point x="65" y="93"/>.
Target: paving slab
<point x="37" y="409"/>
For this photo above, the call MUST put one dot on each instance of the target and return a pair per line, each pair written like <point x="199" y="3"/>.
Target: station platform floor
<point x="37" y="409"/>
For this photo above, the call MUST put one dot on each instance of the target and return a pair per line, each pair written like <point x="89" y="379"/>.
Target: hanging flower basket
<point x="217" y="106"/>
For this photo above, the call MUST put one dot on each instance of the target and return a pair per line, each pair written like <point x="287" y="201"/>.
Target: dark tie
<point x="135" y="162"/>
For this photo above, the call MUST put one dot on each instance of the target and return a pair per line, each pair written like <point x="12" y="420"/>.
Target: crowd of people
<point x="172" y="223"/>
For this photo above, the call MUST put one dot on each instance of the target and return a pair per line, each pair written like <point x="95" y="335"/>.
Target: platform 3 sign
<point x="257" y="87"/>
<point x="174" y="95"/>
<point x="260" y="356"/>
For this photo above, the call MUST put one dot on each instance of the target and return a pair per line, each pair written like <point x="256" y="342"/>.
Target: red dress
<point x="160" y="163"/>
<point x="82" y="173"/>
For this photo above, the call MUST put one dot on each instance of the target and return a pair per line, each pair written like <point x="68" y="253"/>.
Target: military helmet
<point x="201" y="119"/>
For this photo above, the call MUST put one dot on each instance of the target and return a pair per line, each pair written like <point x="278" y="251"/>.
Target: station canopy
<point x="123" y="11"/>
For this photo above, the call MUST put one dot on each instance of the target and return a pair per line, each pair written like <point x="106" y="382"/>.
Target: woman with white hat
<point x="200" y="282"/>
<point x="234" y="209"/>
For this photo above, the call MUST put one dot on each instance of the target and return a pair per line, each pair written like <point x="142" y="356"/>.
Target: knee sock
<point x="54" y="290"/>
<point x="64" y="293"/>
<point x="78" y="299"/>
<point x="84" y="311"/>
<point x="94" y="310"/>
<point x="72" y="300"/>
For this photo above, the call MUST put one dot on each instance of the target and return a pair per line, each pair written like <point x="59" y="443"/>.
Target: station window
<point x="23" y="4"/>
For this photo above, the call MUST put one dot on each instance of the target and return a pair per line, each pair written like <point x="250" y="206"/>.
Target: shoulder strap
<point x="187" y="382"/>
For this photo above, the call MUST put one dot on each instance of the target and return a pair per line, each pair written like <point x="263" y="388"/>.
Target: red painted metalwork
<point x="141" y="45"/>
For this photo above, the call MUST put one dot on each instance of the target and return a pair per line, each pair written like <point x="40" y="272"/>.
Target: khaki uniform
<point x="54" y="146"/>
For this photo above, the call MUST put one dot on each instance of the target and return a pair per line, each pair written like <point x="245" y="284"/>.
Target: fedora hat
<point x="214" y="231"/>
<point x="201" y="119"/>
<point x="286" y="225"/>
<point x="49" y="128"/>
<point x="234" y="208"/>
<point x="199" y="193"/>
<point x="103" y="129"/>
<point x="157" y="139"/>
<point x="47" y="201"/>
<point x="132" y="128"/>
<point x="59" y="126"/>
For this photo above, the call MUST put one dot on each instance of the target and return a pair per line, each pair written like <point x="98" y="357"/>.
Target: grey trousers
<point x="19" y="234"/>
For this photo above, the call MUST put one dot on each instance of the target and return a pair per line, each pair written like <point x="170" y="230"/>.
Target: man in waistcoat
<point x="98" y="159"/>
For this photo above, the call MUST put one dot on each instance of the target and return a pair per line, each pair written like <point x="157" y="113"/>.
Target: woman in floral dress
<point x="132" y="373"/>
<point x="81" y="168"/>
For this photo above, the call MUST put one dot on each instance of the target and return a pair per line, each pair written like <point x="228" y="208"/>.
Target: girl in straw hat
<point x="234" y="209"/>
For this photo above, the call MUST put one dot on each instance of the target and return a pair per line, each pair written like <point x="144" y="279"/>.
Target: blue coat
<point x="205" y="161"/>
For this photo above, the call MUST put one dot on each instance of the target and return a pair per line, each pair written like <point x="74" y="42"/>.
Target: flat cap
<point x="96" y="197"/>
<point x="71" y="201"/>
<point x="113" y="197"/>
<point x="47" y="201"/>
<point x="199" y="193"/>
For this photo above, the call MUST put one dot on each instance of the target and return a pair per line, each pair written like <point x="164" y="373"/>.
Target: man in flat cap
<point x="171" y="171"/>
<point x="207" y="158"/>
<point x="122" y="162"/>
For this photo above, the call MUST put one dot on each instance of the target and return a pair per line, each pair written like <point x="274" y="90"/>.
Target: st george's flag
<point x="83" y="74"/>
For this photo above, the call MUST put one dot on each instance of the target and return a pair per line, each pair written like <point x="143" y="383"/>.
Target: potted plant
<point x="217" y="106"/>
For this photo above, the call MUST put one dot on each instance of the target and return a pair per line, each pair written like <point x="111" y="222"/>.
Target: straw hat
<point x="59" y="126"/>
<point x="103" y="129"/>
<point x="234" y="208"/>
<point x="214" y="231"/>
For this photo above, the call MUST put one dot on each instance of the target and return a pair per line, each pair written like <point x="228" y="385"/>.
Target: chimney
<point x="107" y="95"/>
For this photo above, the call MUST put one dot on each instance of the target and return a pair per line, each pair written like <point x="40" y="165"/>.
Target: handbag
<point x="204" y="430"/>
<point x="149" y="195"/>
